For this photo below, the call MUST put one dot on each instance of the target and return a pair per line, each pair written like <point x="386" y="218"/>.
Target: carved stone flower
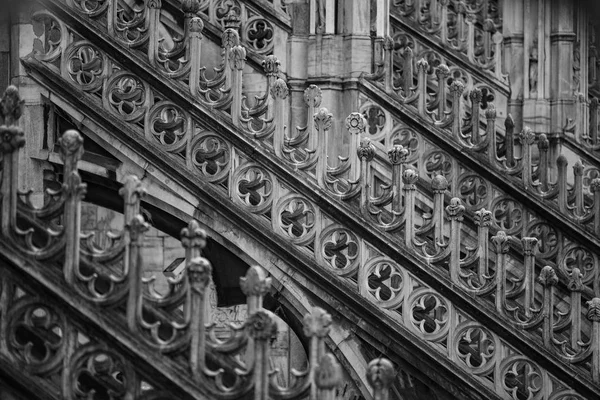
<point x="380" y="373"/>
<point x="11" y="138"/>
<point x="261" y="325"/>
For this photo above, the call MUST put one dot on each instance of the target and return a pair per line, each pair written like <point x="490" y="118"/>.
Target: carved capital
<point x="476" y="95"/>
<point x="196" y="25"/>
<point x="328" y="374"/>
<point x="317" y="323"/>
<point x="593" y="313"/>
<point x="388" y="43"/>
<point x="199" y="273"/>
<point x="422" y="64"/>
<point x="509" y="122"/>
<point x="562" y="161"/>
<point x="190" y="7"/>
<point x="575" y="283"/>
<point x="356" y="123"/>
<point x="279" y="90"/>
<point x="133" y="190"/>
<point x="271" y="65"/>
<point x="137" y="227"/>
<point x="529" y="245"/>
<point x="12" y="138"/>
<point x="230" y="39"/>
<point x="502" y="242"/>
<point x="548" y="276"/>
<point x="442" y="72"/>
<point x="380" y="374"/>
<point x="232" y="20"/>
<point x="261" y="325"/>
<point x="256" y="282"/>
<point x="11" y="106"/>
<point x="455" y="210"/>
<point x="323" y="119"/>
<point x="483" y="217"/>
<point x="71" y="146"/>
<point x="312" y="96"/>
<point x="457" y="88"/>
<point x="366" y="150"/>
<point x="193" y="236"/>
<point x="543" y="143"/>
<point x="439" y="184"/>
<point x="398" y="154"/>
<point x="409" y="178"/>
<point x="490" y="113"/>
<point x="238" y="57"/>
<point x="527" y="136"/>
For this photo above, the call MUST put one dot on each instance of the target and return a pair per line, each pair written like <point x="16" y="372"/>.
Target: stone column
<point x="32" y="122"/>
<point x="512" y="25"/>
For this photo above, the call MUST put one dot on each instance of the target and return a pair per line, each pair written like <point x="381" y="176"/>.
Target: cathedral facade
<point x="300" y="199"/>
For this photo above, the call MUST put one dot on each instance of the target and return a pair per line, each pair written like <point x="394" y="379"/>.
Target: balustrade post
<point x="71" y="151"/>
<point x="575" y="285"/>
<point x="12" y="139"/>
<point x="548" y="279"/>
<point x="561" y="181"/>
<point x="407" y="71"/>
<point x="422" y="66"/>
<point x="316" y="328"/>
<point x="439" y="185"/>
<point x="255" y="285"/>
<point x="455" y="211"/>
<point x="229" y="40"/>
<point x="509" y="126"/>
<point x="237" y="63"/>
<point x="312" y="98"/>
<point x="527" y="139"/>
<point x="595" y="188"/>
<point x="397" y="155"/>
<point x="365" y="153"/>
<point x="261" y="328"/>
<point x="529" y="246"/>
<point x="593" y="315"/>
<point x="475" y="97"/>
<point x="502" y="243"/>
<point x="328" y="377"/>
<point x="442" y="72"/>
<point x="490" y="117"/>
<point x="356" y="124"/>
<point x="199" y="272"/>
<point x="194" y="28"/>
<point x="544" y="165"/>
<point x="470" y="20"/>
<point x="409" y="178"/>
<point x="483" y="220"/>
<point x="456" y="89"/>
<point x="444" y="21"/>
<point x="271" y="68"/>
<point x="153" y="16"/>
<point x="388" y="77"/>
<point x="594" y="120"/>
<point x="132" y="193"/>
<point x="380" y="376"/>
<point x="577" y="188"/>
<point x="136" y="228"/>
<point x="279" y="92"/>
<point x="190" y="10"/>
<point x="323" y="120"/>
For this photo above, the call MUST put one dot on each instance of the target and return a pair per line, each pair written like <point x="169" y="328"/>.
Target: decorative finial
<point x="256" y="282"/>
<point x="328" y="374"/>
<point x="136" y="227"/>
<point x="71" y="145"/>
<point x="409" y="178"/>
<point x="279" y="90"/>
<point x="11" y="106"/>
<point x="323" y="119"/>
<point x="312" y="96"/>
<point x="317" y="323"/>
<point x="439" y="184"/>
<point x="193" y="236"/>
<point x="398" y="154"/>
<point x="199" y="273"/>
<point x="380" y="374"/>
<point x="271" y="65"/>
<point x="356" y="123"/>
<point x="529" y="244"/>
<point x="238" y="57"/>
<point x="366" y="150"/>
<point x="593" y="313"/>
<point x="575" y="281"/>
<point x="548" y="276"/>
<point x="502" y="242"/>
<point x="483" y="217"/>
<point x="455" y="210"/>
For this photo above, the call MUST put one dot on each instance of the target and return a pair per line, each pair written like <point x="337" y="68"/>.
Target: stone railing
<point x="41" y="338"/>
<point x="471" y="29"/>
<point x="300" y="221"/>
<point x="425" y="231"/>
